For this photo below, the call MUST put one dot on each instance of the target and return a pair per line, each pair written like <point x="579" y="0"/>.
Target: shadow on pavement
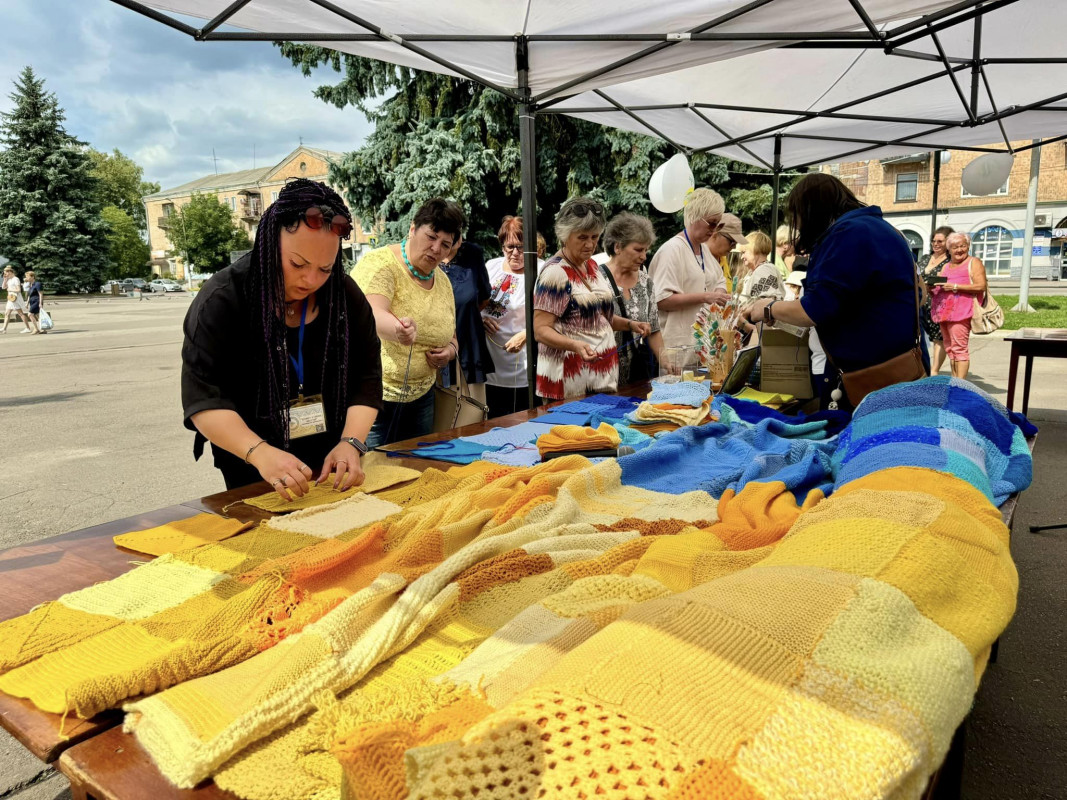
<point x="58" y="397"/>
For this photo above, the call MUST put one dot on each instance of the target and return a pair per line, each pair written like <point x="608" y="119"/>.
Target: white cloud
<point x="164" y="99"/>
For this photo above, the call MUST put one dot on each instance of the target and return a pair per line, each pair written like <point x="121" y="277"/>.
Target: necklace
<point x="407" y="263"/>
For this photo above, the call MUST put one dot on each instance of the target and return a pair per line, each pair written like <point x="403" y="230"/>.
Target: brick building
<point x="247" y="193"/>
<point x="903" y="187"/>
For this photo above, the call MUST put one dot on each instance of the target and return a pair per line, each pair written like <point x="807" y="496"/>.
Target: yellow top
<point x="434" y="312"/>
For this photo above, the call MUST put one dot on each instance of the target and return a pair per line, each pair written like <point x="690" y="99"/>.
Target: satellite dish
<point x="670" y="183"/>
<point x="987" y="173"/>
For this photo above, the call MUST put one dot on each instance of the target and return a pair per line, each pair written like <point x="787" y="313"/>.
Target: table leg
<point x="1026" y="384"/>
<point x="1013" y="371"/>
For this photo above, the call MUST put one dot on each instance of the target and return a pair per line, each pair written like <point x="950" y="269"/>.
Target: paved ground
<point x="92" y="421"/>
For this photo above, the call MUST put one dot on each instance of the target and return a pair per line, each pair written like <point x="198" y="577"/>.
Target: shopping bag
<point x="44" y="320"/>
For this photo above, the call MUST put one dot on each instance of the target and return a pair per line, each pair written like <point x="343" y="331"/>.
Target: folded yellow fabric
<point x="182" y="534"/>
<point x="377" y="478"/>
<point x="763" y="398"/>
<point x="565" y="438"/>
<point x="667" y="412"/>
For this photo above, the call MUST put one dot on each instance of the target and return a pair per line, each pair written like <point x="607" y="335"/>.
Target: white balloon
<point x="987" y="173"/>
<point x="670" y="183"/>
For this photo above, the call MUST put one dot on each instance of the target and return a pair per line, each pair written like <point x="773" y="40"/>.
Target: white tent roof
<point x="750" y="97"/>
<point x="573" y="45"/>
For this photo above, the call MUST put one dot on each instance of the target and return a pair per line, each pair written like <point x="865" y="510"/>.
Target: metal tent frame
<point x="892" y="41"/>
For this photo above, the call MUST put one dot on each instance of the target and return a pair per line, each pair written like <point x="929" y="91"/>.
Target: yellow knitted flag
<point x="182" y="534"/>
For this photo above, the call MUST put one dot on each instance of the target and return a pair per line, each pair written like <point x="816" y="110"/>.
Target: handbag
<point x="908" y="366"/>
<point x="642" y="367"/>
<point x="453" y="406"/>
<point x="44" y="320"/>
<point x="987" y="315"/>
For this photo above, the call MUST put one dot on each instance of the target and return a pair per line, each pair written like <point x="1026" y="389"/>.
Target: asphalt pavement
<point x="93" y="432"/>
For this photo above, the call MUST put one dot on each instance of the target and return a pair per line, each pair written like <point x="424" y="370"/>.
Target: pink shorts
<point x="957" y="337"/>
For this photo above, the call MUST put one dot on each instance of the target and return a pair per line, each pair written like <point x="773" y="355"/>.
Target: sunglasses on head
<point x="581" y="209"/>
<point x="315" y="219"/>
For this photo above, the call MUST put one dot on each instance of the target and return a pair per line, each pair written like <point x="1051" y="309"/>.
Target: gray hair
<point x="626" y="228"/>
<point x="579" y="215"/>
<point x="701" y="204"/>
<point x="957" y="235"/>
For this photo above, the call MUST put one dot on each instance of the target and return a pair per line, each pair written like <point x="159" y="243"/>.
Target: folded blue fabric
<point x="752" y="413"/>
<point x="499" y="437"/>
<point x="715" y="457"/>
<point x="514" y="456"/>
<point x="683" y="393"/>
<point x="940" y="423"/>
<point x="564" y="416"/>
<point x="455" y="451"/>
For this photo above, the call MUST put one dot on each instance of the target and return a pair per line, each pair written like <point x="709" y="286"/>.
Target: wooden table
<point x="99" y="759"/>
<point x="1032" y="343"/>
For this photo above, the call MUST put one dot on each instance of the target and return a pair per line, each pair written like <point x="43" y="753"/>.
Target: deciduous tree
<point x="205" y="231"/>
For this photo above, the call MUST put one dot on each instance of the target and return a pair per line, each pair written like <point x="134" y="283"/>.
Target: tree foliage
<point x="122" y="184"/>
<point x="205" y="231"/>
<point x="49" y="199"/>
<point x="129" y="253"/>
<point x="438" y="135"/>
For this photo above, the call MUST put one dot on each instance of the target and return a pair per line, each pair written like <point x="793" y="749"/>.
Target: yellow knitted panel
<point x="378" y="477"/>
<point x="557" y="745"/>
<point x="159" y="584"/>
<point x="179" y="622"/>
<point x="671" y="559"/>
<point x="797" y="755"/>
<point x="431" y="484"/>
<point x="588" y="595"/>
<point x="350" y="514"/>
<point x="182" y="534"/>
<point x="667" y="412"/>
<point x="49" y="627"/>
<point x="713" y="780"/>
<point x="562" y="438"/>
<point x="243" y="553"/>
<point x="884" y="643"/>
<point x="105" y="658"/>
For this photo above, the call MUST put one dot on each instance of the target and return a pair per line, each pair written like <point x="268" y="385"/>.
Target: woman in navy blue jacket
<point x="859" y="292"/>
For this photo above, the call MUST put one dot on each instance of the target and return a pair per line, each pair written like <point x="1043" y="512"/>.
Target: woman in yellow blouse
<point x="415" y="315"/>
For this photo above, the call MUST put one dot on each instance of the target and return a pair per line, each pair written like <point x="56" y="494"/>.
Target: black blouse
<point x="470" y="287"/>
<point x="222" y="366"/>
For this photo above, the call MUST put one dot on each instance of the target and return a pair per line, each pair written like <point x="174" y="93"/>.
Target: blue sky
<point x="164" y="99"/>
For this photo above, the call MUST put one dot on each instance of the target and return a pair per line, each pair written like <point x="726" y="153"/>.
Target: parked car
<point x="165" y="285"/>
<point x="135" y="284"/>
<point x="106" y="288"/>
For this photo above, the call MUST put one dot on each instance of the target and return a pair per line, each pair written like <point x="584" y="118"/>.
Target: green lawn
<point x="1049" y="312"/>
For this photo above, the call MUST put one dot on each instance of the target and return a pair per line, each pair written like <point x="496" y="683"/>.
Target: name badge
<point x="307" y="417"/>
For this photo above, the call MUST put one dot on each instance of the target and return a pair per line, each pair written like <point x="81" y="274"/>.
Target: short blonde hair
<point x="781" y="236"/>
<point x="31" y="274"/>
<point x="701" y="204"/>
<point x="759" y="243"/>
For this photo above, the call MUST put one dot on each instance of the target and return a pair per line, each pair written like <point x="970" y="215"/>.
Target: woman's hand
<point x="516" y="342"/>
<point x="440" y="356"/>
<point x="492" y="325"/>
<point x="405" y="330"/>
<point x="716" y="297"/>
<point x="344" y="458"/>
<point x="753" y="312"/>
<point x="586" y="351"/>
<point x="282" y="470"/>
<point x="640" y="328"/>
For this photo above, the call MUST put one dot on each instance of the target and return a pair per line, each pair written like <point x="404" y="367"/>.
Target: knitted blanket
<point x="698" y="619"/>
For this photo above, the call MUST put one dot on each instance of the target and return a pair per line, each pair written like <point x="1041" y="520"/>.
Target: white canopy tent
<point x="778" y="83"/>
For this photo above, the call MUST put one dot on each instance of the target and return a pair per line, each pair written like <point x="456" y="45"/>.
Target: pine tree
<point x="439" y="135"/>
<point x="49" y="209"/>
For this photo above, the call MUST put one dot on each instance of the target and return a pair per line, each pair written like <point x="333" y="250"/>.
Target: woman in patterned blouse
<point x="627" y="239"/>
<point x="574" y="311"/>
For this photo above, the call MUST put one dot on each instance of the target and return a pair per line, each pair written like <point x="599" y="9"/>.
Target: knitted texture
<point x="182" y="534"/>
<point x="378" y="477"/>
<point x="695" y="620"/>
<point x="678" y="414"/>
<point x="682" y="393"/>
<point x="354" y="512"/>
<point x="565" y="438"/>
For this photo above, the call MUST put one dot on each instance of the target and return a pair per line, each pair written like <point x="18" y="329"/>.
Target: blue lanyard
<point x="298" y="362"/>
<point x="685" y="233"/>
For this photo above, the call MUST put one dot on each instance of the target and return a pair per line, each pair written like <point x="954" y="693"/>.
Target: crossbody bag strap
<point x="918" y="303"/>
<point x="619" y="302"/>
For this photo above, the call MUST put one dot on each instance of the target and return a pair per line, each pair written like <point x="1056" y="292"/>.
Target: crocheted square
<point x="182" y="534"/>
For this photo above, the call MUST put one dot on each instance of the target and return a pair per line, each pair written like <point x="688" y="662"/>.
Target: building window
<point x="1003" y="190"/>
<point x="273" y="197"/>
<point x="168" y="209"/>
<point x="915" y="243"/>
<point x="907" y="186"/>
<point x="233" y="203"/>
<point x="993" y="245"/>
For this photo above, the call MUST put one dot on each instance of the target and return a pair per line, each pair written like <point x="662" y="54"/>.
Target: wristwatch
<point x="356" y="443"/>
<point x="768" y="317"/>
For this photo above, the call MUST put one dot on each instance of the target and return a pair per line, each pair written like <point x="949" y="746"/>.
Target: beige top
<point x="675" y="269"/>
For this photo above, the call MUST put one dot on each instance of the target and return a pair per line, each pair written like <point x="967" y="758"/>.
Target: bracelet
<point x="253" y="447"/>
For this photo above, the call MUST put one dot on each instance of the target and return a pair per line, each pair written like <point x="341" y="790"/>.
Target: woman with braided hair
<point x="280" y="366"/>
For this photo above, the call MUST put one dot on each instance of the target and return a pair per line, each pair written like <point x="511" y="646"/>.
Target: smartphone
<point x="932" y="280"/>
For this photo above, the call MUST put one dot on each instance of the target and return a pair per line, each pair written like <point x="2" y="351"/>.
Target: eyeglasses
<point x="582" y="209"/>
<point x="315" y="219"/>
<point x="716" y="226"/>
<point x="511" y="247"/>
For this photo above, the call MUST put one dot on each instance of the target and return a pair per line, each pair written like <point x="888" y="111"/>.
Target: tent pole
<point x="775" y="184"/>
<point x="937" y="185"/>
<point x="528" y="155"/>
<point x="1028" y="237"/>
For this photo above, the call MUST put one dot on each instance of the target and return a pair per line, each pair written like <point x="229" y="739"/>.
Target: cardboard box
<point x="785" y="363"/>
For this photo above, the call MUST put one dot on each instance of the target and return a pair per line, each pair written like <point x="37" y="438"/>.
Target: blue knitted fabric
<point x="455" y="451"/>
<point x="498" y="437"/>
<point x="940" y="423"/>
<point x="632" y="437"/>
<point x="716" y="457"/>
<point x="751" y="412"/>
<point x="511" y="456"/>
<point x="683" y="393"/>
<point x="576" y="413"/>
<point x="622" y="403"/>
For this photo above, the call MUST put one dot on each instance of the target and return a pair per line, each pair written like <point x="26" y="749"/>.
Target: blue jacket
<point x="860" y="291"/>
